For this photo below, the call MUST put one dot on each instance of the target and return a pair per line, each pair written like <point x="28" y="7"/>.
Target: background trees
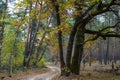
<point x="37" y="28"/>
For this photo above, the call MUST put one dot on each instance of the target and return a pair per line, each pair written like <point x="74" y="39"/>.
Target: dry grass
<point x="86" y="75"/>
<point x="98" y="76"/>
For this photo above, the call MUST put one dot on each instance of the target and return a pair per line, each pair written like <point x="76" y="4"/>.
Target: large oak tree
<point x="83" y="11"/>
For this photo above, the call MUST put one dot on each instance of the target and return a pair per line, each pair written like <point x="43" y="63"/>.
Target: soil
<point x="21" y="75"/>
<point x="36" y="74"/>
<point x="94" y="72"/>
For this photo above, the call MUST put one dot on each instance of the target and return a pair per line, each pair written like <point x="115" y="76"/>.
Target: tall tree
<point x="79" y="30"/>
<point x="3" y="14"/>
<point x="58" y="20"/>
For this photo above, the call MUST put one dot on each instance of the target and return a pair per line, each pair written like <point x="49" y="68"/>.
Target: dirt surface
<point x="21" y="75"/>
<point x="36" y="74"/>
<point x="87" y="73"/>
<point x="45" y="76"/>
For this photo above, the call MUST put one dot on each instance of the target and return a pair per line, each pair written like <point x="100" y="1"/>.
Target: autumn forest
<point x="59" y="39"/>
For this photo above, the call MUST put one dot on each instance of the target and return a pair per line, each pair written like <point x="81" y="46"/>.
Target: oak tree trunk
<point x="78" y="51"/>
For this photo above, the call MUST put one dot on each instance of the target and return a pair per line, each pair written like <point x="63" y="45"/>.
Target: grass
<point x="88" y="73"/>
<point x="99" y="76"/>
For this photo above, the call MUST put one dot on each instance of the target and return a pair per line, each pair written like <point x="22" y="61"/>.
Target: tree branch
<point x="117" y="3"/>
<point x="92" y="39"/>
<point x="104" y="8"/>
<point x="103" y="35"/>
<point x="109" y="27"/>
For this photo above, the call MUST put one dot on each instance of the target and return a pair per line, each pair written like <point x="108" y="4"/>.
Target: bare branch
<point x="110" y="27"/>
<point x="100" y="31"/>
<point x="115" y="12"/>
<point x="92" y="39"/>
<point x="103" y="35"/>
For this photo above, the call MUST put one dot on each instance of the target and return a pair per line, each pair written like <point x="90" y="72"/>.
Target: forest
<point x="59" y="39"/>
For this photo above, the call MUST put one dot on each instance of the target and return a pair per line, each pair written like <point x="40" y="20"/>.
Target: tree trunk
<point x="70" y="44"/>
<point x="61" y="52"/>
<point x="107" y="53"/>
<point x="37" y="54"/>
<point x="90" y="52"/>
<point x="27" y="45"/>
<point x="56" y="6"/>
<point x="78" y="51"/>
<point x="35" y="28"/>
<point x="100" y="52"/>
<point x="26" y="52"/>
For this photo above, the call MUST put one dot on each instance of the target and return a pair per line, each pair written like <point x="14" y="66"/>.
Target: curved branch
<point x="103" y="35"/>
<point x="92" y="39"/>
<point x="100" y="31"/>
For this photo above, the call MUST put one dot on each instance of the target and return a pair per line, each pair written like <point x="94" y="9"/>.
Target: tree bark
<point x="90" y="52"/>
<point x="70" y="44"/>
<point x="78" y="51"/>
<point x="107" y="53"/>
<point x="56" y="6"/>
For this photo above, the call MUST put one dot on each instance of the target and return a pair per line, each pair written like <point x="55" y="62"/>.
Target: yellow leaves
<point x="106" y="30"/>
<point x="39" y="16"/>
<point x="90" y="44"/>
<point x="48" y="2"/>
<point x="65" y="28"/>
<point x="55" y="48"/>
<point x="69" y="4"/>
<point x="52" y="37"/>
<point x="91" y="2"/>
<point x="63" y="14"/>
<point x="16" y="23"/>
<point x="33" y="13"/>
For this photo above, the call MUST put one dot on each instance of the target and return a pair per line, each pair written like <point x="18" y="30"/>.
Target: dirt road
<point x="45" y="76"/>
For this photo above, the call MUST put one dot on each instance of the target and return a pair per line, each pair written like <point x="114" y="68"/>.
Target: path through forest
<point x="45" y="76"/>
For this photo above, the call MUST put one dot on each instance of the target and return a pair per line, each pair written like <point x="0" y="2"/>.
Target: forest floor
<point x="35" y="74"/>
<point x="53" y="71"/>
<point x="20" y="75"/>
<point x="93" y="72"/>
